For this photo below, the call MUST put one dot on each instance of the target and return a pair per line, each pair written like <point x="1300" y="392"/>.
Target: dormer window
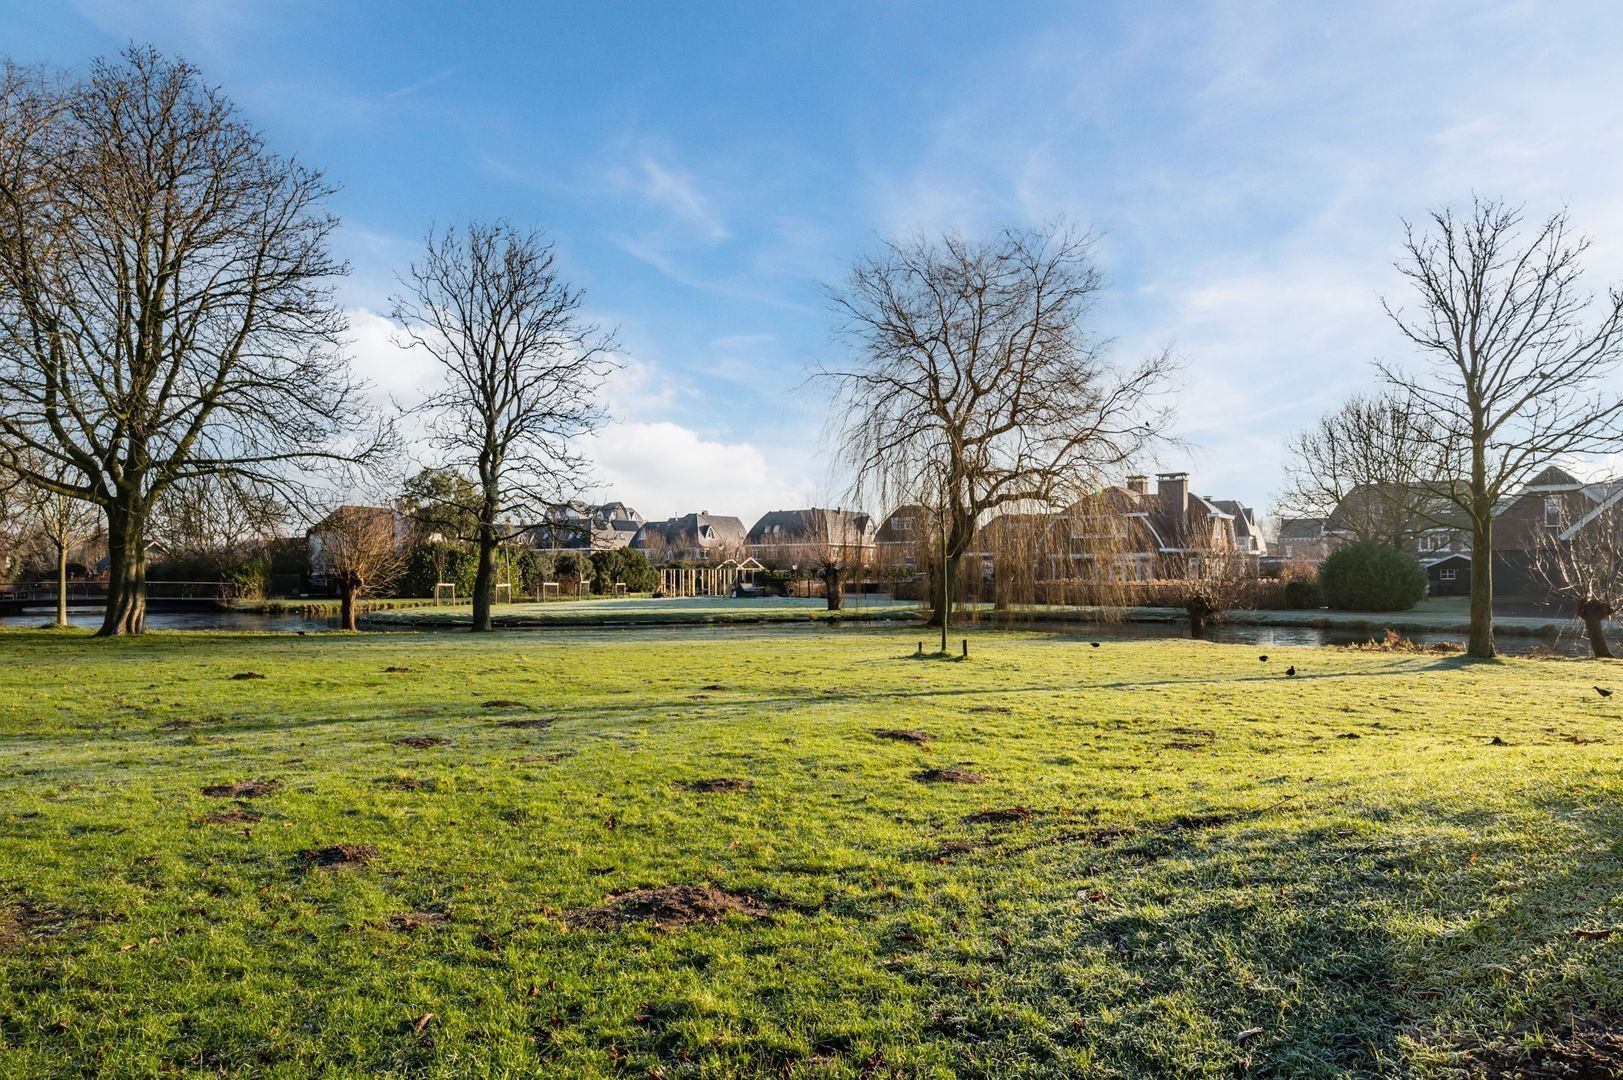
<point x="1553" y="515"/>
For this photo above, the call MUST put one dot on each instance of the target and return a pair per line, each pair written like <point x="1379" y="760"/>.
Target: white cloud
<point x="403" y="375"/>
<point x="662" y="469"/>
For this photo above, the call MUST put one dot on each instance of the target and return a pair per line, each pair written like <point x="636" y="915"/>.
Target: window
<point x="1552" y="511"/>
<point x="1446" y="575"/>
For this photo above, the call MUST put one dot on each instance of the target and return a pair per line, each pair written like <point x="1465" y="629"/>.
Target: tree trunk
<point x="126" y="572"/>
<point x="1197" y="619"/>
<point x="834" y="587"/>
<point x="61" y="584"/>
<point x="1481" y="641"/>
<point x="941" y="594"/>
<point x="348" y="589"/>
<point x="484" y="581"/>
<point x="1594" y="615"/>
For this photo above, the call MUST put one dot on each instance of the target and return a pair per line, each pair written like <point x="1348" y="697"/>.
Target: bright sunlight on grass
<point x="768" y="852"/>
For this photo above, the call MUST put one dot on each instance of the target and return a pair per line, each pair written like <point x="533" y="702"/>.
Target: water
<point x="1574" y="644"/>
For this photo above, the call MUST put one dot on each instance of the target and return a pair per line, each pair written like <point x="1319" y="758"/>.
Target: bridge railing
<point x="45" y="591"/>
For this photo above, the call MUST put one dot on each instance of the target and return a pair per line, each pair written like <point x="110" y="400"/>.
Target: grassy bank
<point x="623" y="611"/>
<point x="1178" y="862"/>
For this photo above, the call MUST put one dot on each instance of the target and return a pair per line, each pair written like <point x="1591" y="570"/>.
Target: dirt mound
<point x="24" y="919"/>
<point x="502" y="703"/>
<point x="416" y="920"/>
<point x="1579" y="1055"/>
<point x="917" y="738"/>
<point x="421" y="742"/>
<point x="538" y="722"/>
<point x="244" y="675"/>
<point x="669" y="907"/>
<point x="949" y="776"/>
<point x="393" y="669"/>
<point x="1007" y="816"/>
<point x="718" y="783"/>
<point x="242" y="789"/>
<point x="405" y="783"/>
<point x="337" y="855"/>
<point x="714" y="686"/>
<point x="536" y="759"/>
<point x="237" y="815"/>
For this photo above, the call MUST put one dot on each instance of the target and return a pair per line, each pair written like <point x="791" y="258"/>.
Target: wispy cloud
<point x="421" y="84"/>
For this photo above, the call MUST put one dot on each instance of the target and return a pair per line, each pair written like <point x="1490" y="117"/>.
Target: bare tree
<point x="59" y="523"/>
<point x="836" y="544"/>
<point x="218" y="520"/>
<point x="1583" y="564"/>
<point x="1219" y="582"/>
<point x="1358" y="464"/>
<point x="1514" y="365"/>
<point x="977" y="383"/>
<point x="522" y="369"/>
<point x="361" y="551"/>
<point x="165" y="301"/>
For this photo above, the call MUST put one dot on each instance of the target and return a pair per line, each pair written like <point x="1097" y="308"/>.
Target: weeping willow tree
<point x="976" y="383"/>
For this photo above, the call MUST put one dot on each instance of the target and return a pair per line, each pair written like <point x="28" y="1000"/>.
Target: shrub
<point x="1303" y="594"/>
<point x="1369" y="576"/>
<point x="625" y="565"/>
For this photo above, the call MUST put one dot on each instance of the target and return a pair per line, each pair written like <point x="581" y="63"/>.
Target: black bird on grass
<point x="1095" y="644"/>
<point x="1263" y="658"/>
<point x="1602" y="691"/>
<point x="1291" y="671"/>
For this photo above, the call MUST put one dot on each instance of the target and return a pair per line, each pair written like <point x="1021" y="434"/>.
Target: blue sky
<point x="704" y="168"/>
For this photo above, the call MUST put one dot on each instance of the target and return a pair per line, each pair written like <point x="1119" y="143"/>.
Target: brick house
<point x="1553" y="507"/>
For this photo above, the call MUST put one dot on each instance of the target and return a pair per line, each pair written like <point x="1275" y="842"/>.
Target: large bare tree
<point x="1515" y="359"/>
<point x="361" y="550"/>
<point x="522" y="368"/>
<point x="1357" y="466"/>
<point x="977" y="381"/>
<point x="165" y="301"/>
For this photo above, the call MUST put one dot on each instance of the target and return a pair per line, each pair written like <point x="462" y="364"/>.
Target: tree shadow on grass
<point x="1161" y="954"/>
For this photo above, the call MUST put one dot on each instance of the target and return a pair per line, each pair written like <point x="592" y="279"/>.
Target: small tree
<point x="1371" y="576"/>
<point x="361" y="553"/>
<point x="1218" y="582"/>
<point x="1584" y="566"/>
<point x="54" y="521"/>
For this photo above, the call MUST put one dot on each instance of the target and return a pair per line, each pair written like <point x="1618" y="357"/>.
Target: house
<point x="702" y="537"/>
<point x="1449" y="575"/>
<point x="1302" y="540"/>
<point x="902" y="541"/>
<point x="1161" y="534"/>
<point x="1411" y="517"/>
<point x="783" y="539"/>
<point x="1554" y="507"/>
<point x="582" y="528"/>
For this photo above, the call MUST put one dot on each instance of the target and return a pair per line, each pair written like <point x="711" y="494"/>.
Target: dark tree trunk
<point x="62" y="584"/>
<point x="941" y="595"/>
<point x="834" y="587"/>
<point x="126" y="572"/>
<point x="1199" y="611"/>
<point x="1594" y="614"/>
<point x="1481" y="640"/>
<point x="484" y="581"/>
<point x="348" y="589"/>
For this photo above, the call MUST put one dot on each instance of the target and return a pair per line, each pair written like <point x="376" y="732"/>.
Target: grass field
<point x="1179" y="861"/>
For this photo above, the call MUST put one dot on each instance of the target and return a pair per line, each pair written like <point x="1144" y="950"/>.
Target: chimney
<point x="1172" y="488"/>
<point x="1138" y="484"/>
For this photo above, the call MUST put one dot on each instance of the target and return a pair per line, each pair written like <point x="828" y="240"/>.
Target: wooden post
<point x="966" y="648"/>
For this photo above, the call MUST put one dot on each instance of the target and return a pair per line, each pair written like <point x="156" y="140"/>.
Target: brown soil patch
<point x="669" y="907"/>
<point x="714" y="686"/>
<point x="237" y="815"/>
<point x="403" y="783"/>
<point x="951" y="848"/>
<point x="416" y="920"/>
<point x="338" y="855"/>
<point x="1185" y="746"/>
<point x="242" y="789"/>
<point x="1003" y="710"/>
<point x="24" y="919"/>
<point x="539" y="722"/>
<point x="502" y="703"/>
<point x="949" y="776"/>
<point x="395" y="670"/>
<point x="536" y="759"/>
<point x="242" y="676"/>
<point x="917" y="738"/>
<point x="421" y="742"/>
<point x="718" y="783"/>
<point x="1007" y="816"/>
<point x="1578" y="1055"/>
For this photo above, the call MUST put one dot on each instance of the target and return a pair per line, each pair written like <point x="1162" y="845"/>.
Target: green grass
<point x="1210" y="856"/>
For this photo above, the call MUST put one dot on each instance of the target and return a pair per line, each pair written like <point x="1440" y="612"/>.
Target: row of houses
<point x="1554" y="507"/>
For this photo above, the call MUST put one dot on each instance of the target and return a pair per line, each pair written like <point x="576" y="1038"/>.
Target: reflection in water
<point x="1272" y="636"/>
